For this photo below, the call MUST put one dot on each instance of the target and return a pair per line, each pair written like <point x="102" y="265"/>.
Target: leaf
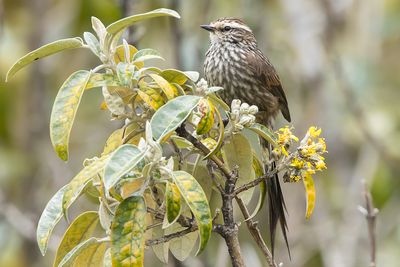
<point x="151" y="97"/>
<point x="160" y="250"/>
<point x="263" y="187"/>
<point x="44" y="51"/>
<point x="121" y="162"/>
<point x="165" y="86"/>
<point x="78" y="183"/>
<point x="119" y="55"/>
<point x="218" y="102"/>
<point x="264" y="132"/>
<point x="92" y="42"/>
<point x="174" y="76"/>
<point x="51" y="215"/>
<point x="207" y="112"/>
<point x="127" y="233"/>
<point x="64" y="111"/>
<point x="237" y="152"/>
<point x="197" y="201"/>
<point x="114" y="102"/>
<point x="80" y="230"/>
<point x="220" y="137"/>
<point x="192" y="75"/>
<point x="125" y="73"/>
<point x="182" y="246"/>
<point x="172" y="204"/>
<point x="121" y="24"/>
<point x="99" y="28"/>
<point x="88" y="253"/>
<point x="113" y="141"/>
<point x="172" y="114"/>
<point x="310" y="194"/>
<point x="100" y="80"/>
<point x="146" y="54"/>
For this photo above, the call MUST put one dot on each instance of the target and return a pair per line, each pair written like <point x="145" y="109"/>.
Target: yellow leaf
<point x="151" y="97"/>
<point x="164" y="85"/>
<point x="113" y="141"/>
<point x="310" y="194"/>
<point x="119" y="55"/>
<point x="207" y="111"/>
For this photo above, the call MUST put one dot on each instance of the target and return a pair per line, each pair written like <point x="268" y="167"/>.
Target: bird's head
<point x="230" y="30"/>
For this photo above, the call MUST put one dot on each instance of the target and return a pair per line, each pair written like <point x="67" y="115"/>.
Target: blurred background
<point x="339" y="61"/>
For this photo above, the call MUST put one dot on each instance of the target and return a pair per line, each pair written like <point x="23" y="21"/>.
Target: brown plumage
<point x="234" y="62"/>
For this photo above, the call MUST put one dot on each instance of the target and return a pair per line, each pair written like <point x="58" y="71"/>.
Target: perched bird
<point x="235" y="63"/>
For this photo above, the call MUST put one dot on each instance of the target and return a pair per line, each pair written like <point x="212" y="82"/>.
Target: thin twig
<point x="211" y="172"/>
<point x="255" y="232"/>
<point x="255" y="182"/>
<point x="169" y="237"/>
<point x="370" y="213"/>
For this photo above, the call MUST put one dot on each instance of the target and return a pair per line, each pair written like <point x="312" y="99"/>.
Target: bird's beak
<point x="208" y="28"/>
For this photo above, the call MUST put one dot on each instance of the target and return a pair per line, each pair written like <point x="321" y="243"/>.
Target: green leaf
<point x="182" y="246"/>
<point x="113" y="101"/>
<point x="197" y="201"/>
<point x="88" y="253"/>
<point x="237" y="152"/>
<point x="124" y="159"/>
<point x="92" y="42"/>
<point x="172" y="204"/>
<point x="80" y="230"/>
<point x="263" y="186"/>
<point x="101" y="79"/>
<point x="51" y="215"/>
<point x="121" y="24"/>
<point x="78" y="183"/>
<point x="172" y="114"/>
<point x="146" y="54"/>
<point x="44" y="51"/>
<point x="127" y="233"/>
<point x="310" y="194"/>
<point x="264" y="132"/>
<point x="64" y="111"/>
<point x="160" y="250"/>
<point x="207" y="111"/>
<point x="164" y="85"/>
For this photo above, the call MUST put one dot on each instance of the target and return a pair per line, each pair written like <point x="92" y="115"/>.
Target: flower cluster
<point x="242" y="115"/>
<point x="307" y="159"/>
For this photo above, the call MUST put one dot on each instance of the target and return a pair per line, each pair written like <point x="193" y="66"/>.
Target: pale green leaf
<point x="265" y="133"/>
<point x="197" y="201"/>
<point x="175" y="76"/>
<point x="78" y="183"/>
<point x="262" y="186"/>
<point x="146" y="54"/>
<point x="89" y="253"/>
<point x="172" y="115"/>
<point x="128" y="232"/>
<point x="220" y="136"/>
<point x="160" y="250"/>
<point x="44" y="51"/>
<point x="51" y="215"/>
<point x="182" y="246"/>
<point x="237" y="152"/>
<point x="124" y="159"/>
<point x="121" y="24"/>
<point x="64" y="111"/>
<point x="92" y="42"/>
<point x="80" y="230"/>
<point x="192" y="75"/>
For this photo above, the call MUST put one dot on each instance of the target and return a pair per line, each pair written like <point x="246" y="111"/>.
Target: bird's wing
<point x="264" y="70"/>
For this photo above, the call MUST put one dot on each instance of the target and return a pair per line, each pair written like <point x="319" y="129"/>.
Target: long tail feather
<point x="277" y="208"/>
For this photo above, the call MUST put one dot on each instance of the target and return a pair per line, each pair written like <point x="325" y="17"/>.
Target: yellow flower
<point x="314" y="131"/>
<point x="321" y="145"/>
<point x="297" y="163"/>
<point x="320" y="165"/>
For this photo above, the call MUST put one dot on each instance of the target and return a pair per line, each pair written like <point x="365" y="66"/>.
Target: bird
<point x="234" y="62"/>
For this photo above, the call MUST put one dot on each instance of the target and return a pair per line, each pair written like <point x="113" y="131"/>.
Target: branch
<point x="370" y="213"/>
<point x="169" y="237"/>
<point x="255" y="232"/>
<point x="255" y="182"/>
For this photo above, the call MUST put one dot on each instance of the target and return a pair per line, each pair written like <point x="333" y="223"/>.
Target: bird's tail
<point x="276" y="204"/>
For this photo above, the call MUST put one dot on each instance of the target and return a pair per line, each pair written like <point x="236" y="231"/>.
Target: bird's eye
<point x="227" y="28"/>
